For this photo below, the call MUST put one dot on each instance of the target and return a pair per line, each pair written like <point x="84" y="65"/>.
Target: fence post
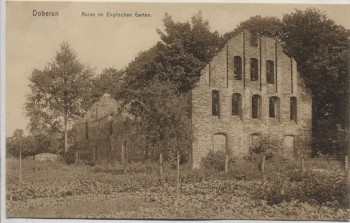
<point x="226" y="164"/>
<point x="77" y="156"/>
<point x="94" y="154"/>
<point x="302" y="164"/>
<point x="123" y="152"/>
<point x="263" y="164"/>
<point x="161" y="163"/>
<point x="20" y="166"/>
<point x="190" y="160"/>
<point x="111" y="151"/>
<point x="346" y="166"/>
<point x="161" y="171"/>
<point x="178" y="177"/>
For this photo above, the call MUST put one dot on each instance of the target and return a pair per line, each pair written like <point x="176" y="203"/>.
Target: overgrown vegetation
<point x="203" y="194"/>
<point x="269" y="146"/>
<point x="214" y="161"/>
<point x="330" y="188"/>
<point x="164" y="74"/>
<point x="321" y="49"/>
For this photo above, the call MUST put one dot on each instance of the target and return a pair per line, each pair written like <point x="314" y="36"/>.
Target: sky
<point x="104" y="42"/>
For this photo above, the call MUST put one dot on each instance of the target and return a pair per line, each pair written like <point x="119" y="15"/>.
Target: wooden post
<point x="161" y="164"/>
<point x="77" y="146"/>
<point x="263" y="164"/>
<point x="111" y="151"/>
<point x="123" y="152"/>
<point x="178" y="177"/>
<point x="94" y="154"/>
<point x="346" y="166"/>
<point x="20" y="166"/>
<point x="226" y="164"/>
<point x="302" y="165"/>
<point x="190" y="160"/>
<point x="76" y="156"/>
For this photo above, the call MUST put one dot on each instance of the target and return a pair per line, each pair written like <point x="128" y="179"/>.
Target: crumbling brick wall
<point x="237" y="131"/>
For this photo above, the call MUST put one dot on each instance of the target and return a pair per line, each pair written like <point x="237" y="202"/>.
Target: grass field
<point x="58" y="190"/>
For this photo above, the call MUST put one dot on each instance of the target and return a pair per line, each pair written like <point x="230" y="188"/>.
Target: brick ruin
<point x="250" y="88"/>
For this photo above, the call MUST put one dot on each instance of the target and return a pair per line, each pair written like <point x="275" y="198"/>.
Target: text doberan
<point x="43" y="13"/>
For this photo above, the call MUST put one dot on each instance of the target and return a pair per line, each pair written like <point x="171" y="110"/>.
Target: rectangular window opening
<point x="253" y="69"/>
<point x="237" y="68"/>
<point x="215" y="103"/>
<point x="270" y="74"/>
<point x="86" y="131"/>
<point x="256" y="107"/>
<point x="236" y="104"/>
<point x="274" y="107"/>
<point x="293" y="109"/>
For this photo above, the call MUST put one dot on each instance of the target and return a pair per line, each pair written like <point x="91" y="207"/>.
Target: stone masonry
<point x="234" y="132"/>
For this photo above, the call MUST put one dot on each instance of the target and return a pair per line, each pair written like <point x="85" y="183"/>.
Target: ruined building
<point x="250" y="88"/>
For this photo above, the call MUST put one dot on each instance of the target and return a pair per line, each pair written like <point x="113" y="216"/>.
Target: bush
<point x="267" y="145"/>
<point x="69" y="157"/>
<point x="193" y="176"/>
<point x="215" y="161"/>
<point x="325" y="188"/>
<point x="242" y="169"/>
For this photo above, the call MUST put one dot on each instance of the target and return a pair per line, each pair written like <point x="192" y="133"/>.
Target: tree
<point x="158" y="81"/>
<point x="107" y="82"/>
<point x="263" y="26"/>
<point x="19" y="142"/>
<point x="184" y="51"/>
<point x="321" y="49"/>
<point x="58" y="92"/>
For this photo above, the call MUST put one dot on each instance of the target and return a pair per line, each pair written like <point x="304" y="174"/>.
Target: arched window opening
<point x="254" y="139"/>
<point x="220" y="143"/>
<point x="274" y="104"/>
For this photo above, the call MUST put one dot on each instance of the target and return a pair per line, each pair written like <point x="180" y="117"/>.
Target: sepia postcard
<point x="175" y="111"/>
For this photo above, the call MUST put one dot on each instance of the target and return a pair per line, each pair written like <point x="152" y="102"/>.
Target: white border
<point x="3" y="108"/>
<point x="3" y="101"/>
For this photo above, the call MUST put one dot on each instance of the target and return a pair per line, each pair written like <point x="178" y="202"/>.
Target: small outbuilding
<point x="46" y="157"/>
<point x="107" y="133"/>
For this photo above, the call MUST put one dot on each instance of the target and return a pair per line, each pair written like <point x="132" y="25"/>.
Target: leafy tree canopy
<point x="185" y="49"/>
<point x="321" y="49"/>
<point x="58" y="92"/>
<point x="264" y="26"/>
<point x="107" y="82"/>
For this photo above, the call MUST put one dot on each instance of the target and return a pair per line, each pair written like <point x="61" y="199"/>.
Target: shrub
<point x="267" y="145"/>
<point x="193" y="176"/>
<point x="327" y="188"/>
<point x="281" y="166"/>
<point x="242" y="169"/>
<point x="215" y="161"/>
<point x="69" y="157"/>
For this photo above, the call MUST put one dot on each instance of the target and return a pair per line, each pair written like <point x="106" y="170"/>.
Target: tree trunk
<point x="65" y="135"/>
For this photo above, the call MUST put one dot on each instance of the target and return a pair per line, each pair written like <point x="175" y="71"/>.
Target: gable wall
<point x="218" y="75"/>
